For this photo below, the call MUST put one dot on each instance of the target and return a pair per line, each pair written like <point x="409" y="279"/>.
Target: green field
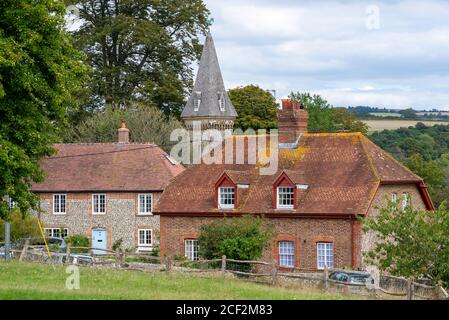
<point x="35" y="281"/>
<point x="379" y="125"/>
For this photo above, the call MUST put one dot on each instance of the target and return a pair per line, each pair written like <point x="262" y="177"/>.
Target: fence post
<point x="67" y="256"/>
<point x="223" y="264"/>
<point x="24" y="249"/>
<point x="118" y="258"/>
<point x="438" y="290"/>
<point x="167" y="263"/>
<point x="274" y="272"/>
<point x="410" y="288"/>
<point x="326" y="278"/>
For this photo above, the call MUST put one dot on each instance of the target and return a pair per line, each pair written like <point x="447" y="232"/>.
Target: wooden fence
<point x="386" y="286"/>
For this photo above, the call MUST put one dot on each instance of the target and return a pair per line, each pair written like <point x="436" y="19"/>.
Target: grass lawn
<point x="20" y="280"/>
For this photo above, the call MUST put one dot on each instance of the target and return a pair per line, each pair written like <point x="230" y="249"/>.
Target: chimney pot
<point x="286" y="103"/>
<point x="123" y="134"/>
<point x="292" y="121"/>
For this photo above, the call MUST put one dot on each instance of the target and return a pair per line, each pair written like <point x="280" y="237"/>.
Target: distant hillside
<point x="425" y="151"/>
<point x="429" y="141"/>
<point x="367" y="113"/>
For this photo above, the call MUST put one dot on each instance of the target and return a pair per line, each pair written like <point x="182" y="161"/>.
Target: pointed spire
<point x="209" y="97"/>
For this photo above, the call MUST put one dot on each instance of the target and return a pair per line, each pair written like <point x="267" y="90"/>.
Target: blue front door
<point x="99" y="240"/>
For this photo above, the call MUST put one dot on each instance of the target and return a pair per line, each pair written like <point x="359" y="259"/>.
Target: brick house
<point x="106" y="191"/>
<point x="323" y="183"/>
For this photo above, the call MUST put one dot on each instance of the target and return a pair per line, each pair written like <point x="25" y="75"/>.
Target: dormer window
<point x="226" y="197"/>
<point x="221" y="101"/>
<point x="285" y="197"/>
<point x="196" y="100"/>
<point x="285" y="191"/>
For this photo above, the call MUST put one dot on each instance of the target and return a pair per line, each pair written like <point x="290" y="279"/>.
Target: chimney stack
<point x="292" y="122"/>
<point x="123" y="134"/>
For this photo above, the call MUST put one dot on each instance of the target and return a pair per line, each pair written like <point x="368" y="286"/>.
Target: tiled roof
<point x="342" y="171"/>
<point x="107" y="167"/>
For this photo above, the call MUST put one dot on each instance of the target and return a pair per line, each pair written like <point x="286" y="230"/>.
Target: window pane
<point x="95" y="203"/>
<point x="191" y="249"/>
<point x="286" y="253"/>
<point x="145" y="237"/>
<point x="286" y="196"/>
<point x="63" y="203"/>
<point x="226" y="196"/>
<point x="145" y="203"/>
<point x="99" y="202"/>
<point x="102" y="203"/>
<point x="325" y="255"/>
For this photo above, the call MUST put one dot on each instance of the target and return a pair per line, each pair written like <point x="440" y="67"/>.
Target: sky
<point x="392" y="54"/>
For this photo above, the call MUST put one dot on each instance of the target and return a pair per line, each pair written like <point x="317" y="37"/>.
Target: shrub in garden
<point x="242" y="238"/>
<point x="78" y="241"/>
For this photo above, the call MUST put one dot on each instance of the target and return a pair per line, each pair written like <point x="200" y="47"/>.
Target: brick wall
<point x="304" y="232"/>
<point x="121" y="219"/>
<point x="346" y="235"/>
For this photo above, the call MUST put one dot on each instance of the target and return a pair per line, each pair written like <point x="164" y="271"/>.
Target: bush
<point x="22" y="226"/>
<point x="242" y="238"/>
<point x="117" y="245"/>
<point x="78" y="241"/>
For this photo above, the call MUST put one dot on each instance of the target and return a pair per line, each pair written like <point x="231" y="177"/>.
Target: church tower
<point x="209" y="105"/>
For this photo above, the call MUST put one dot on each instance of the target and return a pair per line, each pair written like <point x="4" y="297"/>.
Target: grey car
<point x="352" y="277"/>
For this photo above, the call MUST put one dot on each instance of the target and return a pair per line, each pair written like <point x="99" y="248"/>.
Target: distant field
<point x="379" y="125"/>
<point x="385" y="114"/>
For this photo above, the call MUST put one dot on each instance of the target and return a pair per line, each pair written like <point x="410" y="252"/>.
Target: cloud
<point x="330" y="47"/>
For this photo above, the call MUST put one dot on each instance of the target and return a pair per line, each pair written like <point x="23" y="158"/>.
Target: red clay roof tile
<point x="342" y="171"/>
<point x="107" y="167"/>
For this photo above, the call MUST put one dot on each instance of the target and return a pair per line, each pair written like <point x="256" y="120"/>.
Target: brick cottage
<point x="105" y="191"/>
<point x="322" y="185"/>
<point x="324" y="182"/>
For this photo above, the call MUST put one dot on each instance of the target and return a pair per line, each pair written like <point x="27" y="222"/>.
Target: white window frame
<point x="189" y="249"/>
<point x="93" y="204"/>
<point x="59" y="195"/>
<point x="278" y="198"/>
<point x="394" y="197"/>
<point x="144" y="245"/>
<point x="145" y="213"/>
<point x="286" y="255"/>
<point x="405" y="200"/>
<point x="221" y="102"/>
<point x="328" y="255"/>
<point x="196" y="101"/>
<point x="226" y="205"/>
<point x="50" y="232"/>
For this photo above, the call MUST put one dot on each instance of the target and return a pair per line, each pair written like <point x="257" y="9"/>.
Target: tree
<point x="21" y="226"/>
<point x="146" y="124"/>
<point x="434" y="175"/>
<point x="408" y="114"/>
<point x="256" y="107"/>
<point x="40" y="75"/>
<point x="238" y="238"/>
<point x="323" y="117"/>
<point x="141" y="49"/>
<point x="411" y="243"/>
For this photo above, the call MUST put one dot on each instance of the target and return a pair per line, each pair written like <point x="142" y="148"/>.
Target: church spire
<point x="209" y="99"/>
